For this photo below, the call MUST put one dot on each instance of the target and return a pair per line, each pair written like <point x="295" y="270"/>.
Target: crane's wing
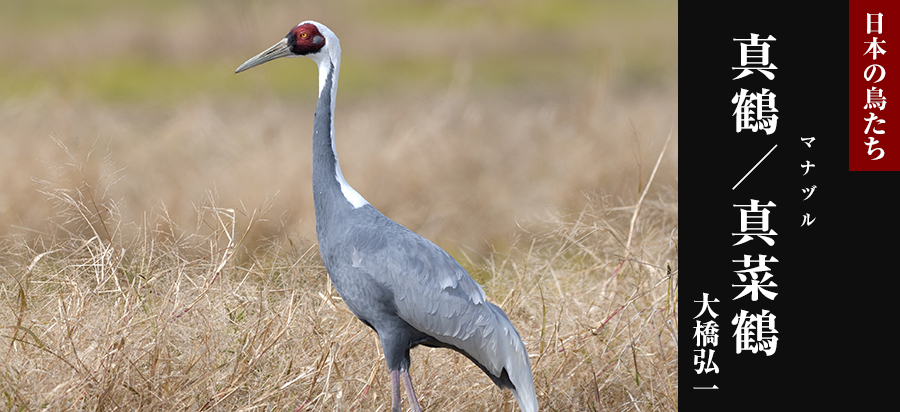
<point x="435" y="295"/>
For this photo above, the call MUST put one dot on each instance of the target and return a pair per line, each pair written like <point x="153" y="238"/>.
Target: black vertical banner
<point x="788" y="186"/>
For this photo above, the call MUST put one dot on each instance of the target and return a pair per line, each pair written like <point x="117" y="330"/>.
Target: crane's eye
<point x="304" y="35"/>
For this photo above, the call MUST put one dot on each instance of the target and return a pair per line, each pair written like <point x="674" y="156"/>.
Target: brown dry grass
<point x="461" y="170"/>
<point x="149" y="316"/>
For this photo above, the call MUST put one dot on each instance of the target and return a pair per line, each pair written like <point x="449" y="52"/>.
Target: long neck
<point x="330" y="191"/>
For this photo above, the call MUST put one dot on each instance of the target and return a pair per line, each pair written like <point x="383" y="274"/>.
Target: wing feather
<point x="435" y="295"/>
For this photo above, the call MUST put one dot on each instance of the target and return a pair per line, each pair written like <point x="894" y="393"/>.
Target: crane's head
<point x="308" y="39"/>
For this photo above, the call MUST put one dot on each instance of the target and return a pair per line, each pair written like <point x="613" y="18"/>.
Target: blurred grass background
<point x="458" y="119"/>
<point x="518" y="135"/>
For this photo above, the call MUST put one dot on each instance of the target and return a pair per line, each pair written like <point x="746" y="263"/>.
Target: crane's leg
<point x="395" y="391"/>
<point x="410" y="392"/>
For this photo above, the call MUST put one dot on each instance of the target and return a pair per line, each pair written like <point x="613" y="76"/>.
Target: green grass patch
<point x="43" y="15"/>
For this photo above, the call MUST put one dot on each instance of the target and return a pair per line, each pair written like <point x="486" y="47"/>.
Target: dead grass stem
<point x="110" y="315"/>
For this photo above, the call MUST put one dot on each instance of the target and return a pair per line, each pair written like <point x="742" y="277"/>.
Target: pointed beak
<point x="280" y="49"/>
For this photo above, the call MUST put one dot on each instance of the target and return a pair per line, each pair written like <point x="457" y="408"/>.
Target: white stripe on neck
<point x="325" y="61"/>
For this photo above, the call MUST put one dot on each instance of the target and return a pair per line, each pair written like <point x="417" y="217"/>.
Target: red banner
<point x="874" y="142"/>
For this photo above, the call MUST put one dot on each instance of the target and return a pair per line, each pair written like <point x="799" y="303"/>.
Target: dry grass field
<point x="157" y="244"/>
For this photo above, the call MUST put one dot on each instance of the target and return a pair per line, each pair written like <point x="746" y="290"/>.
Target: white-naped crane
<point x="406" y="288"/>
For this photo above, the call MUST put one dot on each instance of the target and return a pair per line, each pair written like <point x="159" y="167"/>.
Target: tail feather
<point x="527" y="401"/>
<point x="516" y="364"/>
<point x="486" y="336"/>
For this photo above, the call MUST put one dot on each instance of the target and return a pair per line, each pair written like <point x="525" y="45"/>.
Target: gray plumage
<point x="406" y="288"/>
